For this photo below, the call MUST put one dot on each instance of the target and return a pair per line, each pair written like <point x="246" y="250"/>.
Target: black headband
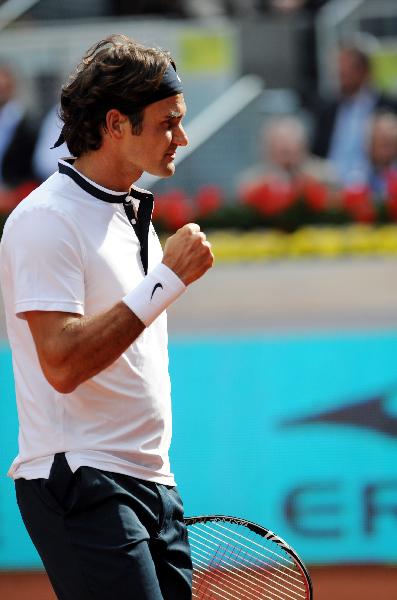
<point x="170" y="85"/>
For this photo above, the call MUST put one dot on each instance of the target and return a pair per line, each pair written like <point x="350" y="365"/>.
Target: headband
<point x="170" y="85"/>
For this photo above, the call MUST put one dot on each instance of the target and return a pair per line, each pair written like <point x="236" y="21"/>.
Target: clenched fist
<point x="188" y="253"/>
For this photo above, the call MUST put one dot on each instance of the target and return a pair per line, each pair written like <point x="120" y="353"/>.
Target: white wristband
<point x="157" y="291"/>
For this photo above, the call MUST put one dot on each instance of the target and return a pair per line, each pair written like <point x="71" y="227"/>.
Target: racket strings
<point x="229" y="565"/>
<point x="217" y="574"/>
<point x="215" y="589"/>
<point x="261" y="546"/>
<point x="213" y="572"/>
<point x="238" y="588"/>
<point x="215" y="592"/>
<point x="251" y="555"/>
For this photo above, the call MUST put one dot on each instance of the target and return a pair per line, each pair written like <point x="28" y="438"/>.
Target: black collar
<point x="140" y="221"/>
<point x="65" y="167"/>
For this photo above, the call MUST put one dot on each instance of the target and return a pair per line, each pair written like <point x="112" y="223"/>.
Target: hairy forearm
<point x="72" y="349"/>
<point x="85" y="346"/>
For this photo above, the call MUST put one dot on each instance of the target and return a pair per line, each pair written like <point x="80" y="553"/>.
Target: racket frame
<point x="263" y="532"/>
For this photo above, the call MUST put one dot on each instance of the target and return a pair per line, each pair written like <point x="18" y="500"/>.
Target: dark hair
<point x="114" y="73"/>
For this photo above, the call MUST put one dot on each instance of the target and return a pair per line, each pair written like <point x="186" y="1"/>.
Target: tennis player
<point x="86" y="285"/>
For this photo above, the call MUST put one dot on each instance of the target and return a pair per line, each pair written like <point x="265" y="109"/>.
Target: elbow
<point x="61" y="381"/>
<point x="62" y="385"/>
<point x="60" y="376"/>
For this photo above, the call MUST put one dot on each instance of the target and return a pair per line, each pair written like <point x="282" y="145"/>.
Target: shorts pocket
<point x="61" y="484"/>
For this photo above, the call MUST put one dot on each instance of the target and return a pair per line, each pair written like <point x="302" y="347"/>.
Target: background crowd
<point x="338" y="164"/>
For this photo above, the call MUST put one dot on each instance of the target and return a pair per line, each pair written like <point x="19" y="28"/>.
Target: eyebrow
<point x="174" y="114"/>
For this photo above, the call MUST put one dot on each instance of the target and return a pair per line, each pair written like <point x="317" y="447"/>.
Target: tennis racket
<point x="237" y="559"/>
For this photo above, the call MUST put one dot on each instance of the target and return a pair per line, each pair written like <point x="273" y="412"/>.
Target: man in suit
<point x="340" y="127"/>
<point x="17" y="136"/>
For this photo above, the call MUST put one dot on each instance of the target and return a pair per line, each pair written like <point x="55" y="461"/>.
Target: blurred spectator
<point x="17" y="136"/>
<point x="288" y="171"/>
<point x="182" y="8"/>
<point x="285" y="155"/>
<point x="172" y="8"/>
<point x="290" y="6"/>
<point x="45" y="157"/>
<point x="375" y="199"/>
<point x="287" y="6"/>
<point x="340" y="124"/>
<point x="382" y="153"/>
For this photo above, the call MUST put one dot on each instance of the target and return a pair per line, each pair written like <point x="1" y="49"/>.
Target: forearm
<point x="86" y="345"/>
<point x="72" y="349"/>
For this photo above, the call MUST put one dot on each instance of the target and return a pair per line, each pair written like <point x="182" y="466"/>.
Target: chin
<point x="162" y="170"/>
<point x="168" y="170"/>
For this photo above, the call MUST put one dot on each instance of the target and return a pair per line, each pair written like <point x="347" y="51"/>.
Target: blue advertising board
<point x="296" y="432"/>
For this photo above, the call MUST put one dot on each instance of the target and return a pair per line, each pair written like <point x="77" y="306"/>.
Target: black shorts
<point x="106" y="536"/>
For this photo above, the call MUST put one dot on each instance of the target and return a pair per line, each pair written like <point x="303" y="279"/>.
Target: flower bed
<point x="267" y="227"/>
<point x="276" y="205"/>
<point x="316" y="242"/>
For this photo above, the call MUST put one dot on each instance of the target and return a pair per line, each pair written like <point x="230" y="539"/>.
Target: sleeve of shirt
<point x="45" y="260"/>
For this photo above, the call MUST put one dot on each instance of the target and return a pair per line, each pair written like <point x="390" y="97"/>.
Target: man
<point x="85" y="286"/>
<point x="288" y="173"/>
<point x="45" y="157"/>
<point x="380" y="186"/>
<point x="341" y="124"/>
<point x="382" y="179"/>
<point x="285" y="155"/>
<point x="17" y="136"/>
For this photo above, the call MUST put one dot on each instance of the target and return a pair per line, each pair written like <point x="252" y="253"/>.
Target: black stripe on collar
<point x="65" y="167"/>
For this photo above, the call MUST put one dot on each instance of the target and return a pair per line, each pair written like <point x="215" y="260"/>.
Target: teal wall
<point x="328" y="486"/>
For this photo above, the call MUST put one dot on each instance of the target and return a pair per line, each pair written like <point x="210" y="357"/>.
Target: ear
<point x="115" y="123"/>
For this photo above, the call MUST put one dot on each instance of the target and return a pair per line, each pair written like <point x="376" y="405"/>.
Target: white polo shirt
<point x="64" y="249"/>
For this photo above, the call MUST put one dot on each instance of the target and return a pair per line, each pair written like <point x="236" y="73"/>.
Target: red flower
<point x="270" y="197"/>
<point x="10" y="198"/>
<point x="7" y="202"/>
<point x="314" y="193"/>
<point x="391" y="201"/>
<point x="357" y="201"/>
<point x="208" y="200"/>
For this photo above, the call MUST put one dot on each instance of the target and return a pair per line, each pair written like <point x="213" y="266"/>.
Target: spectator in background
<point x="288" y="7"/>
<point x="382" y="153"/>
<point x="183" y="8"/>
<point x="171" y="8"/>
<point x="340" y="124"/>
<point x="287" y="168"/>
<point x="45" y="156"/>
<point x="285" y="155"/>
<point x="17" y="135"/>
<point x="375" y="198"/>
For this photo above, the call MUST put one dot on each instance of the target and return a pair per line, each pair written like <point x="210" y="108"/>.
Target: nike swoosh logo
<point x="370" y="414"/>
<point x="158" y="285"/>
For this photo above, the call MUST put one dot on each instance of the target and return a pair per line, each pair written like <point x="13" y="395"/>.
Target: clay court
<point x="330" y="583"/>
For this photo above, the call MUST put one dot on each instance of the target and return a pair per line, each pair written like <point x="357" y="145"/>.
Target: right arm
<point x="73" y="348"/>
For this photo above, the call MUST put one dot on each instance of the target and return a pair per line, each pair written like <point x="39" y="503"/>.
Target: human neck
<point x="105" y="171"/>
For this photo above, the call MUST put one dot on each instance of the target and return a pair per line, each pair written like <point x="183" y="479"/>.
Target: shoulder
<point x="44" y="208"/>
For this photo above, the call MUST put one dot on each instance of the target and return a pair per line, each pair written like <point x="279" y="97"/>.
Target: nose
<point x="180" y="137"/>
